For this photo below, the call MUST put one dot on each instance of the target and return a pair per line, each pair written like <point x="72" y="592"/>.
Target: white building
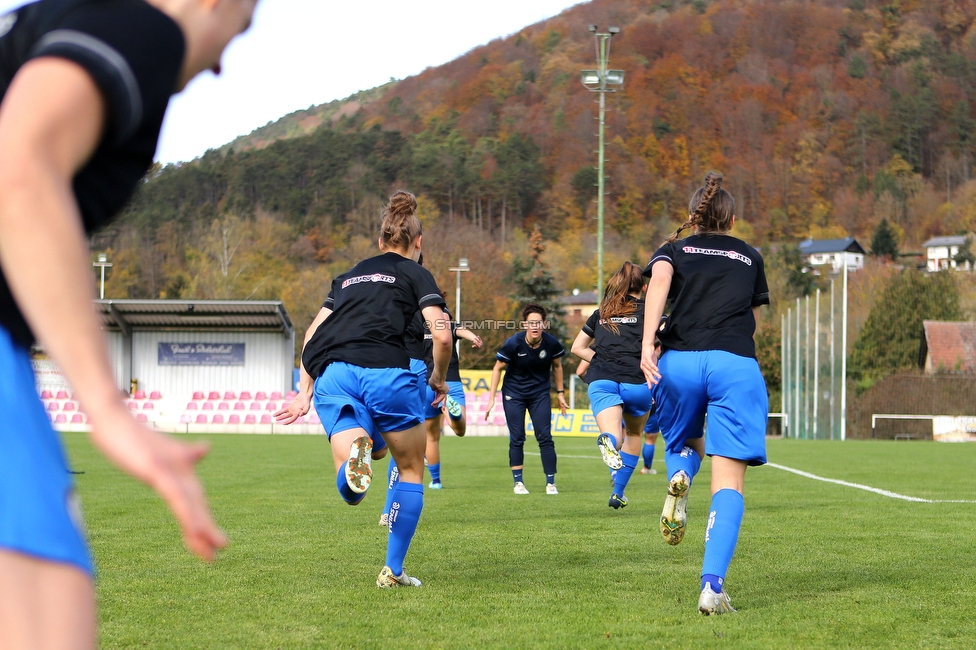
<point x="831" y="254"/>
<point x="940" y="253"/>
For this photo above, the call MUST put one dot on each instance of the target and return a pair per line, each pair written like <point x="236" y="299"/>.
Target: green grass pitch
<point x="817" y="565"/>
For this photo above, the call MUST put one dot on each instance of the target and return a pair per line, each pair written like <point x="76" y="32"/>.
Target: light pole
<point x="462" y="267"/>
<point x="596" y="81"/>
<point x="103" y="263"/>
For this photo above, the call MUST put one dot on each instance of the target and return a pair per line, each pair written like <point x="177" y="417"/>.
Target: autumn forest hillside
<point x="825" y="116"/>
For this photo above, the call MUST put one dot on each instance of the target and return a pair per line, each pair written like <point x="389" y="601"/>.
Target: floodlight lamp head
<point x="591" y="28"/>
<point x="614" y="30"/>
<point x="463" y="263"/>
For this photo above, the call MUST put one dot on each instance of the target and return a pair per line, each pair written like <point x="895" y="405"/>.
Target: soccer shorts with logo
<point x="635" y="398"/>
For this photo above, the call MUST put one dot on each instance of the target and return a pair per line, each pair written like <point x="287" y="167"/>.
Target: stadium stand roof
<point x="236" y="315"/>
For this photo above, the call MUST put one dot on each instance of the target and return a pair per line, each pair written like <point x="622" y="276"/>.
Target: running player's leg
<point x="629" y="452"/>
<point x="350" y="450"/>
<point x="515" y="418"/>
<point x="433" y="453"/>
<point x="459" y="423"/>
<point x="540" y="412"/>
<point x="681" y="412"/>
<point x="408" y="449"/>
<point x="45" y="604"/>
<point x="607" y="406"/>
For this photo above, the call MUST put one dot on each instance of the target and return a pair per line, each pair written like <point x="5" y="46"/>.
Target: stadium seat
<point x="499" y="420"/>
<point x="275" y="395"/>
<point x="69" y="406"/>
<point x="260" y="395"/>
<point x="245" y="395"/>
<point x="197" y="394"/>
<point x="46" y="394"/>
<point x="201" y="419"/>
<point x="229" y="395"/>
<point x="192" y="406"/>
<point x="223" y="406"/>
<point x="208" y="406"/>
<point x="255" y="406"/>
<point x="234" y="419"/>
<point x="147" y="406"/>
<point x="272" y="406"/>
<point x="53" y="406"/>
<point x="140" y="394"/>
<point x="290" y="395"/>
<point x="300" y="420"/>
<point x="184" y="419"/>
<point x="250" y="419"/>
<point x="240" y="406"/>
<point x="77" y="418"/>
<point x="61" y="419"/>
<point x="266" y="418"/>
<point x="313" y="417"/>
<point x="214" y="395"/>
<point x="155" y="395"/>
<point x="218" y="419"/>
<point x="62" y="394"/>
<point x="142" y="417"/>
<point x="133" y="406"/>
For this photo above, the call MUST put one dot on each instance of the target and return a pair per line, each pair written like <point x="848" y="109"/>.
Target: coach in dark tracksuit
<point x="529" y="357"/>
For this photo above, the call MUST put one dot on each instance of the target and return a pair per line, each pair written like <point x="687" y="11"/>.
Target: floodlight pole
<point x="462" y="267"/>
<point x="843" y="360"/>
<point x="103" y="263"/>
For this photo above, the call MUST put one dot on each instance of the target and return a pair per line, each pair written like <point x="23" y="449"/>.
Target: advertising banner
<point x="576" y="423"/>
<point x="201" y="354"/>
<point x="951" y="428"/>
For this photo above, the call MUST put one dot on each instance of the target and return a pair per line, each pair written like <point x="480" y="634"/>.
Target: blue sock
<point x="517" y="475"/>
<point x="435" y="473"/>
<point x="408" y="502"/>
<point x="648" y="453"/>
<point x="350" y="497"/>
<point x="394" y="478"/>
<point x="624" y="473"/>
<point x="550" y="479"/>
<point x="686" y="460"/>
<point x="724" y="521"/>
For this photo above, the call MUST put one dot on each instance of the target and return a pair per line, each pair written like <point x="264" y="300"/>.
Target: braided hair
<point x="400" y="222"/>
<point x="710" y="210"/>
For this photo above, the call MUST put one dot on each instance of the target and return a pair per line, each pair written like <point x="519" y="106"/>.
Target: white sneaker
<point x="551" y="488"/>
<point x="648" y="470"/>
<point x="611" y="457"/>
<point x="520" y="488"/>
<point x="387" y="580"/>
<point x="359" y="468"/>
<point x="385" y="520"/>
<point x="712" y="603"/>
<point x="675" y="513"/>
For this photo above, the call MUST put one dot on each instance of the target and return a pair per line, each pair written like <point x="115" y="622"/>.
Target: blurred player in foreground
<point x="716" y="284"/>
<point x="85" y="86"/>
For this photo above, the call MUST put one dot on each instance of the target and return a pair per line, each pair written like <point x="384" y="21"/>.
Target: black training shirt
<point x="414" y="337"/>
<point x="617" y="356"/>
<point x="454" y="367"/>
<point x="718" y="279"/>
<point x="372" y="306"/>
<point x="528" y="368"/>
<point x="134" y="53"/>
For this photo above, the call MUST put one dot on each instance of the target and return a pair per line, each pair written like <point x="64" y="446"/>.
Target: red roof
<point x="951" y="346"/>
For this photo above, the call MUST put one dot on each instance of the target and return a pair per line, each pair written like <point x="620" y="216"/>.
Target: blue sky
<point x="304" y="52"/>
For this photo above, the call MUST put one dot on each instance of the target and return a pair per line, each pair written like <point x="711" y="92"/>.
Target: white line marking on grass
<point x="530" y="453"/>
<point x="868" y="488"/>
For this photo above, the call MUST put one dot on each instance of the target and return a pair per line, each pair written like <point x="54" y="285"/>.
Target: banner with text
<point x="201" y="354"/>
<point x="950" y="428"/>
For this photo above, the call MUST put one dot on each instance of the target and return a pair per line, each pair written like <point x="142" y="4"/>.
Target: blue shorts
<point x="455" y="390"/>
<point x="635" y="398"/>
<point x="729" y="388"/>
<point x="653" y="425"/>
<point x="39" y="509"/>
<point x="419" y="368"/>
<point x="379" y="400"/>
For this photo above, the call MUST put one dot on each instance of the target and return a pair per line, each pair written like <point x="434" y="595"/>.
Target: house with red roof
<point x="948" y="347"/>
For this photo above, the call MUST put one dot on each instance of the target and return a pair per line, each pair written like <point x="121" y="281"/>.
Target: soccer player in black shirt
<point x="619" y="394"/>
<point x="716" y="284"/>
<point x="363" y="387"/>
<point x="529" y="358"/>
<point x="84" y="87"/>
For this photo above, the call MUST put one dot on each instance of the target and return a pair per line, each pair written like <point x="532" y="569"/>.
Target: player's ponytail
<point x="627" y="280"/>
<point x="400" y="223"/>
<point x="710" y="210"/>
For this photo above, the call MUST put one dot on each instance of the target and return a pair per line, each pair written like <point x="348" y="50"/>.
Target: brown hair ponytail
<point x="400" y="223"/>
<point x="627" y="280"/>
<point x="710" y="210"/>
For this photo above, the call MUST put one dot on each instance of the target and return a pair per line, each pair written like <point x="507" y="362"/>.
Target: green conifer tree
<point x="534" y="282"/>
<point x="884" y="243"/>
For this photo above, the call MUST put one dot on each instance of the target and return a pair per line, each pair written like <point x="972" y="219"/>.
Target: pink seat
<point x="184" y="419"/>
<point x="61" y="419"/>
<point x="77" y="418"/>
<point x="250" y="419"/>
<point x="201" y="419"/>
<point x="234" y="419"/>
<point x="266" y="419"/>
<point x="272" y="406"/>
<point x="300" y="420"/>
<point x="133" y="406"/>
<point x="53" y="406"/>
<point x="142" y="417"/>
<point x="208" y="406"/>
<point x="228" y="395"/>
<point x="46" y="394"/>
<point x="192" y="406"/>
<point x="214" y="395"/>
<point x="313" y="418"/>
<point x="275" y="395"/>
<point x="499" y="420"/>
<point x="218" y="419"/>
<point x="62" y="394"/>
<point x="261" y="395"/>
<point x="140" y="394"/>
<point x="155" y="395"/>
<point x="290" y="395"/>
<point x="197" y="394"/>
<point x="69" y="406"/>
<point x="255" y="406"/>
<point x="223" y="406"/>
<point x="240" y="406"/>
<point x="245" y="395"/>
<point x="147" y="406"/>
